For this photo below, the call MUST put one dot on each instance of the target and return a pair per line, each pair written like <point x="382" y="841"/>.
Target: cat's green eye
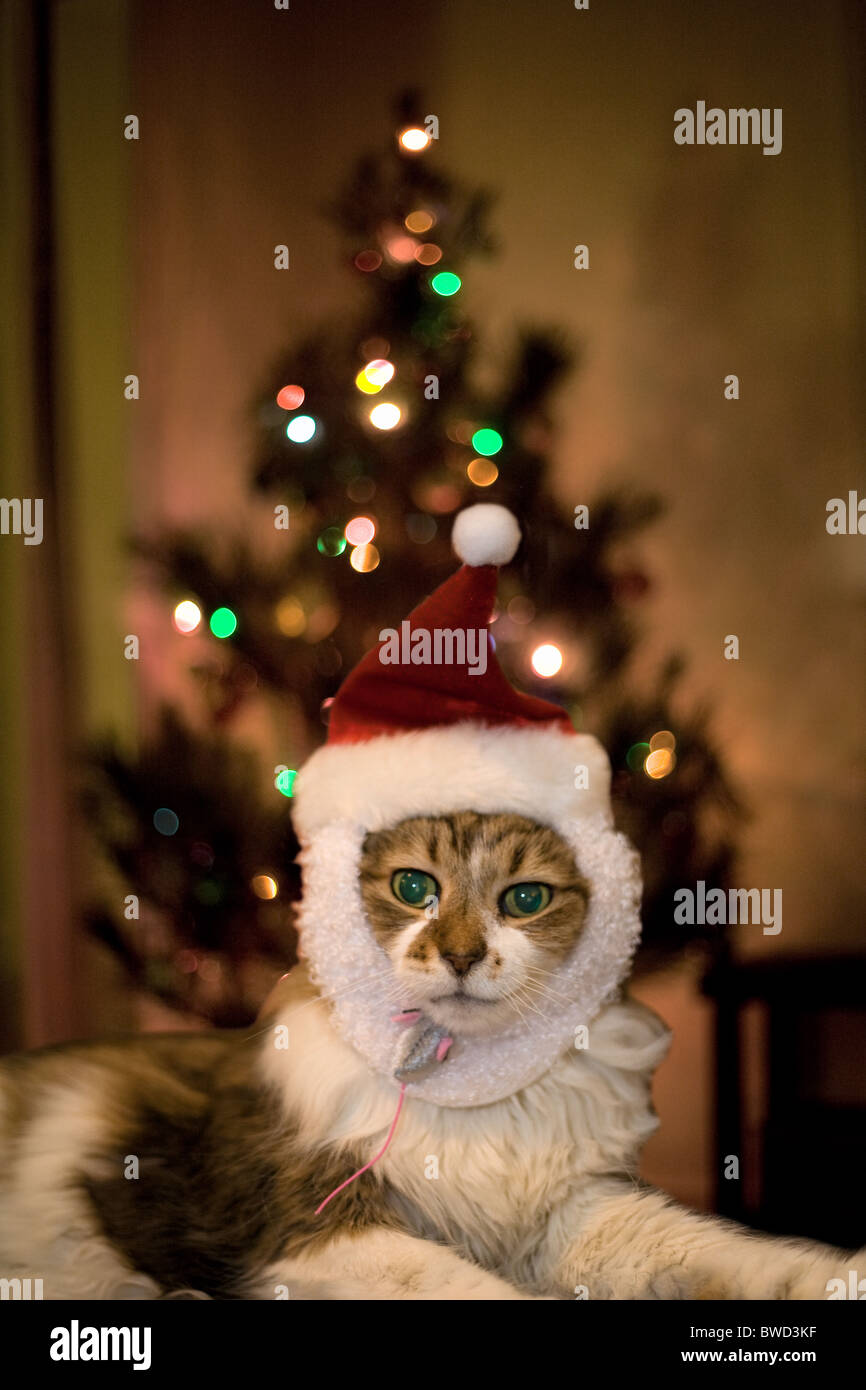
<point x="413" y="887"/>
<point x="525" y="899"/>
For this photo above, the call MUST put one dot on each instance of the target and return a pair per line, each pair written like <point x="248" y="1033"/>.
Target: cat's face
<point x="475" y="912"/>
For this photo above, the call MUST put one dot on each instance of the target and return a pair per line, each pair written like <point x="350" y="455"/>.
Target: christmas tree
<point x="371" y="435"/>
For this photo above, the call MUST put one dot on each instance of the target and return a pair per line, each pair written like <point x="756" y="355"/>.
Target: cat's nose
<point x="461" y="965"/>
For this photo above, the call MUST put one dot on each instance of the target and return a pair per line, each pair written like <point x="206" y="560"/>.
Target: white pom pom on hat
<point x="485" y="534"/>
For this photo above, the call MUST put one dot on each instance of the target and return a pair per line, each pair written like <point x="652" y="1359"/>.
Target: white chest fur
<point x="487" y="1178"/>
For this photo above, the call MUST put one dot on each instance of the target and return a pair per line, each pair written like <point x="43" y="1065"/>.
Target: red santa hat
<point x="427" y="724"/>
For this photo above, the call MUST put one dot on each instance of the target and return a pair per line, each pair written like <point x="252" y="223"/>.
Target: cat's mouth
<point x="460" y="997"/>
<point x="467" y="1014"/>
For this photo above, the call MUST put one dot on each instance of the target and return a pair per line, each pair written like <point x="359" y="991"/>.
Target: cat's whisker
<point x="512" y="998"/>
<point x="333" y="994"/>
<point x="529" y="1003"/>
<point x="558" y="1002"/>
<point x="552" y="994"/>
<point x="539" y="970"/>
<point x="324" y="998"/>
<point x="512" y="1002"/>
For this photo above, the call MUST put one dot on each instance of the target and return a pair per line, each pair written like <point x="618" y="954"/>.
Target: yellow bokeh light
<point x="414" y="139"/>
<point x="264" y="886"/>
<point x="663" y="739"/>
<point x="291" y="618"/>
<point x="482" y="472"/>
<point x="419" y="221"/>
<point x="659" y="763"/>
<point x="428" y="254"/>
<point x="363" y="383"/>
<point x="364" y="558"/>
<point x="385" y="416"/>
<point x="546" y="660"/>
<point x="379" y="371"/>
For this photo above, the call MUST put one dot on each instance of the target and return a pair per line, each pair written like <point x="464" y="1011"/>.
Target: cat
<point x="194" y="1165"/>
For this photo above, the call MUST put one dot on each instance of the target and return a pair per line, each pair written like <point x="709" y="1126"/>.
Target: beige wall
<point x="704" y="262"/>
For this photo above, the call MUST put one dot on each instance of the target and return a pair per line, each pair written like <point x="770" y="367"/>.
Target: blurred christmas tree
<point x="372" y="435"/>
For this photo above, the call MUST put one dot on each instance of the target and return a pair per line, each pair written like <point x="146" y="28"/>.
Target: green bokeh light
<point x="332" y="541"/>
<point x="487" y="442"/>
<point x="446" y="283"/>
<point x="208" y="892"/>
<point x="637" y="755"/>
<point x="223" y="622"/>
<point x="286" y="781"/>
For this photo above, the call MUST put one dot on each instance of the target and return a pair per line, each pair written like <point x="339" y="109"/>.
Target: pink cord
<point x="333" y="1194"/>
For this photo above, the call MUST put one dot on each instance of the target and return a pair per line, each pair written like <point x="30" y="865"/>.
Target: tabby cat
<point x="196" y="1163"/>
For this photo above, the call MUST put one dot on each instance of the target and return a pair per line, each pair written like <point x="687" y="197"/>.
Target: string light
<point x="546" y="660"/>
<point x="446" y="283"/>
<point x="385" y="416"/>
<point x="301" y="429"/>
<point x="663" y="739"/>
<point x="482" y="472"/>
<point x="660" y="763"/>
<point x="487" y="442"/>
<point x="437" y="496"/>
<point x="364" y="558"/>
<point x="363" y="383"/>
<point x="360" y="530"/>
<point x="419" y="221"/>
<point x="187" y="616"/>
<point x="223" y="622"/>
<point x="380" y="371"/>
<point x="285" y="781"/>
<point x="264" y="886"/>
<point x="368" y="260"/>
<point x="428" y="254"/>
<point x="290" y="397"/>
<point x="290" y="615"/>
<point x="166" y="821"/>
<point x="414" y="139"/>
<point x="331" y="542"/>
<point x="401" y="249"/>
<point x="374" y="376"/>
<point x="637" y="755"/>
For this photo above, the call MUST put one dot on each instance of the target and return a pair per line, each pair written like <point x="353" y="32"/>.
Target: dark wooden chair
<point x="802" y="1168"/>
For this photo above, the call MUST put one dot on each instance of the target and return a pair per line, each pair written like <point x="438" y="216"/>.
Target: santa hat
<point x="427" y="724"/>
<point x="426" y="737"/>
